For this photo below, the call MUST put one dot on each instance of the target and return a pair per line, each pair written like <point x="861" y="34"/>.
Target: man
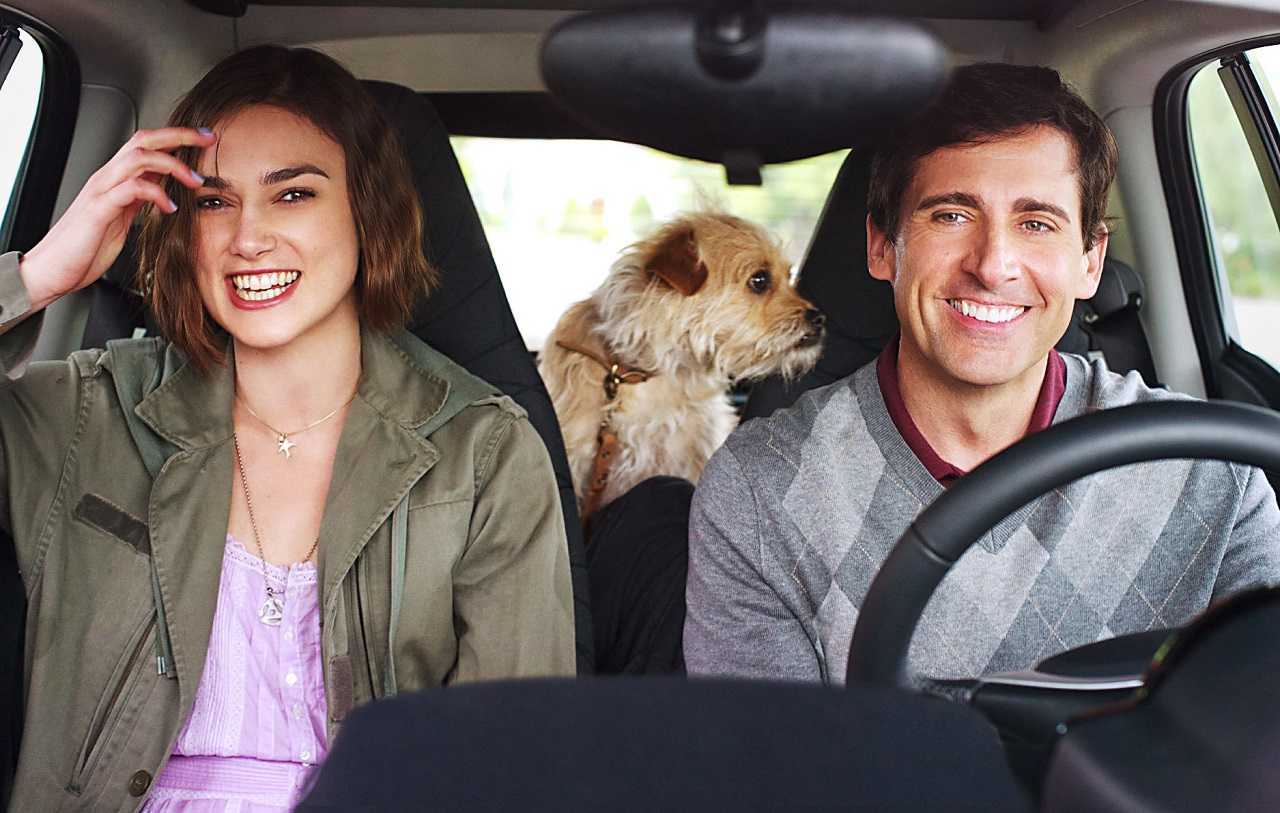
<point x="986" y="217"/>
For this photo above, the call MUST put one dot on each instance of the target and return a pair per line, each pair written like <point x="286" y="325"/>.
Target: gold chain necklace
<point x="271" y="612"/>
<point x="283" y="443"/>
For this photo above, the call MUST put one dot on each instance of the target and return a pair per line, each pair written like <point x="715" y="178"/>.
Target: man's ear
<point x="881" y="258"/>
<point x="1093" y="260"/>
<point x="675" y="261"/>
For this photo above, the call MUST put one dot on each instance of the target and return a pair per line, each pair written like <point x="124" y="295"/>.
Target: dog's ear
<point x="675" y="262"/>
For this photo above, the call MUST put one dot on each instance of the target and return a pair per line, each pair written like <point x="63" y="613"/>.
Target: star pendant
<point x="283" y="445"/>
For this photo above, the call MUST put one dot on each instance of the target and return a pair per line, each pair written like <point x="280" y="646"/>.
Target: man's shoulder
<point x="1091" y="386"/>
<point x="817" y="413"/>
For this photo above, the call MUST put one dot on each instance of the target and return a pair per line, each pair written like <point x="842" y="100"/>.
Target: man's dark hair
<point x="986" y="102"/>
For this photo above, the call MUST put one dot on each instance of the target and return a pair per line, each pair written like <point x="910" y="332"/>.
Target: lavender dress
<point x="257" y="729"/>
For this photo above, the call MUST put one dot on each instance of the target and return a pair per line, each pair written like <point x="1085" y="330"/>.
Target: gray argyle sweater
<point x="795" y="513"/>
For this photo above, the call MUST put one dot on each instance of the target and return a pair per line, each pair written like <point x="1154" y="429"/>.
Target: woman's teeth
<point x="259" y="287"/>
<point x="995" y="314"/>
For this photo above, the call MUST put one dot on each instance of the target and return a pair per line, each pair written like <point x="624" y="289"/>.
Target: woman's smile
<point x="252" y="290"/>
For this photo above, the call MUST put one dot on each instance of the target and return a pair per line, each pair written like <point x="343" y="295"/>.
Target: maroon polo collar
<point x="1051" y="392"/>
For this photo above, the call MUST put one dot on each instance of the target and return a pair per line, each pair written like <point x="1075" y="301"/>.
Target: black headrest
<point x="662" y="743"/>
<point x="1119" y="288"/>
<point x="833" y="276"/>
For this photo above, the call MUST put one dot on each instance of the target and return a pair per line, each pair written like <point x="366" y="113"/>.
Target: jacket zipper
<point x="109" y="711"/>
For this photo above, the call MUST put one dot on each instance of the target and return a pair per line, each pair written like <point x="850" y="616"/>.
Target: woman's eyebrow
<point x="289" y="173"/>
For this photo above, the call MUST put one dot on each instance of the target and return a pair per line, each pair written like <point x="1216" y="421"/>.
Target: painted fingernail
<point x="173" y="207"/>
<point x="199" y="178"/>
<point x="204" y="131"/>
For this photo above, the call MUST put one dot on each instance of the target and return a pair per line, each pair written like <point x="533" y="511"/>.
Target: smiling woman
<point x="306" y="507"/>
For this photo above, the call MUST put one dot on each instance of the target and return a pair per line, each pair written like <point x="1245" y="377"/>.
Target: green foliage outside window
<point x="1244" y="225"/>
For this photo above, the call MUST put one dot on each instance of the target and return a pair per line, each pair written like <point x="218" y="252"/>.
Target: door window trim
<point x="36" y="186"/>
<point x="1229" y="370"/>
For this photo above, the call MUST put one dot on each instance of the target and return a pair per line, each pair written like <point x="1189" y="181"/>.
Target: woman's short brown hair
<point x="393" y="274"/>
<point x="986" y="102"/>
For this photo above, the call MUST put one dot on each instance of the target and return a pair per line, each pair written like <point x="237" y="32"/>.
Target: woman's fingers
<point x="137" y="190"/>
<point x="171" y="138"/>
<point x="138" y="161"/>
<point x="150" y="151"/>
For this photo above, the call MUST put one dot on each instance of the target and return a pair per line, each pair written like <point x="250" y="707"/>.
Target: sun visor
<point x="742" y="85"/>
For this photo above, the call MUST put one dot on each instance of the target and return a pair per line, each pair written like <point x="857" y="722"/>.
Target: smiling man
<point x="986" y="217"/>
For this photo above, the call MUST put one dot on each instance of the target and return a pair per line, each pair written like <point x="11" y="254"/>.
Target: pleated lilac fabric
<point x="257" y="729"/>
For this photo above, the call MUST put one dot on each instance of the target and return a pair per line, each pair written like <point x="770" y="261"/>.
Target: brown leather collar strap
<point x="616" y="374"/>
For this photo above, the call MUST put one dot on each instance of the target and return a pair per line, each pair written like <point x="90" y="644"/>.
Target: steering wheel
<point x="1046" y="460"/>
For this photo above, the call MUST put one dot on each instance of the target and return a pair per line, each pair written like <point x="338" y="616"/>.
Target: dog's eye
<point x="759" y="282"/>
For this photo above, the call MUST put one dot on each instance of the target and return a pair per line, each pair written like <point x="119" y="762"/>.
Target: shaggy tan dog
<point x="704" y="301"/>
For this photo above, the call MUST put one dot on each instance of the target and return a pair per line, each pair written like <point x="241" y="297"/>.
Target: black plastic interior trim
<point x="516" y="114"/>
<point x="1190" y="223"/>
<point x="50" y="140"/>
<point x="1261" y="376"/>
<point x="1247" y="98"/>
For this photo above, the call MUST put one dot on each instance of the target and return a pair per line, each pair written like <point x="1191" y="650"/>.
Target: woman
<point x="288" y="508"/>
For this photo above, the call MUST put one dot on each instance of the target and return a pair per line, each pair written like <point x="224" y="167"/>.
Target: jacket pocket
<point x="112" y="520"/>
<point x="112" y="703"/>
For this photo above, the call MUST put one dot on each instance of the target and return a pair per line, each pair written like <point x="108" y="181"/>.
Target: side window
<point x="1231" y="111"/>
<point x="20" y="95"/>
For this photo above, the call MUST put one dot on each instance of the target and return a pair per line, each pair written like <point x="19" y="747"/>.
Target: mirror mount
<point x="730" y="38"/>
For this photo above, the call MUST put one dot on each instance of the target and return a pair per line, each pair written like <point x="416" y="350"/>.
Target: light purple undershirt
<point x="257" y="728"/>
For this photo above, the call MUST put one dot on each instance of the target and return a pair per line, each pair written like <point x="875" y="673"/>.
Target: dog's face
<point x="714" y="292"/>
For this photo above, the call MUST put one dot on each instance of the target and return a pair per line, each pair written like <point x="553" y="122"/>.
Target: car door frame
<point x="1230" y="371"/>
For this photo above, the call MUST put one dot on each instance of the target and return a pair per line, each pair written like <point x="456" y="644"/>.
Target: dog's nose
<point x="814" y="317"/>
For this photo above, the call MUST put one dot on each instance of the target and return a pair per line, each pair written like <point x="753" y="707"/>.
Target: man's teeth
<point x="987" y="313"/>
<point x="257" y="287"/>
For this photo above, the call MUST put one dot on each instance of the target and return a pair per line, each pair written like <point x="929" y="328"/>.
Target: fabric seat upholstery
<point x="664" y="743"/>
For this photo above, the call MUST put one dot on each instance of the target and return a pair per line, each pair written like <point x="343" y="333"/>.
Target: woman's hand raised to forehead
<point x="88" y="237"/>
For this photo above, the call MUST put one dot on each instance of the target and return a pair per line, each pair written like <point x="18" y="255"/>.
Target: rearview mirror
<point x="740" y="85"/>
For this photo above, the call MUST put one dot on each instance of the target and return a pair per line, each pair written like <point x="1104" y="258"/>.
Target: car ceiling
<point x="1039" y="11"/>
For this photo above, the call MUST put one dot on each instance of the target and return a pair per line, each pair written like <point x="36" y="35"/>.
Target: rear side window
<point x="558" y="212"/>
<point x="1240" y="191"/>
<point x="20" y="96"/>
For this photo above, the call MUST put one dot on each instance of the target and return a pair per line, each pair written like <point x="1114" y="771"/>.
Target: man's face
<point x="989" y="258"/>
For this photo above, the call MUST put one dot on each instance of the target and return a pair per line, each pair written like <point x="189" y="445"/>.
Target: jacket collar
<point x="401" y="379"/>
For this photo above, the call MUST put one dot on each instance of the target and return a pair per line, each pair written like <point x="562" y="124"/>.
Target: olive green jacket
<point x="448" y="539"/>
